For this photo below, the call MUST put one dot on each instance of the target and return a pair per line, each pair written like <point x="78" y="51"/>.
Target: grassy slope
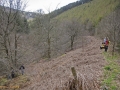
<point x="93" y="11"/>
<point x="111" y="72"/>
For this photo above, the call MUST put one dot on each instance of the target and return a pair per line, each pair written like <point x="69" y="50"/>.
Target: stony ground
<point x="88" y="62"/>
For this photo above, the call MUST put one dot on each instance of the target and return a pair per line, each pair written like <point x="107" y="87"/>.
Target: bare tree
<point x="45" y="26"/>
<point x="110" y="27"/>
<point x="72" y="28"/>
<point x="116" y="28"/>
<point x="9" y="11"/>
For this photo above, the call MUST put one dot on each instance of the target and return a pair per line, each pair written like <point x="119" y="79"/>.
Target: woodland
<point x="35" y="37"/>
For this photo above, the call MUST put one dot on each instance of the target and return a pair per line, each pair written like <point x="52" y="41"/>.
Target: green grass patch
<point x="3" y="81"/>
<point x="111" y="71"/>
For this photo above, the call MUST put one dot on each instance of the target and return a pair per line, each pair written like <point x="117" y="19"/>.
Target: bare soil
<point x="49" y="74"/>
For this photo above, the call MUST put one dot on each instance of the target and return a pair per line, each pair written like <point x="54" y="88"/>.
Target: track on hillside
<point x="88" y="62"/>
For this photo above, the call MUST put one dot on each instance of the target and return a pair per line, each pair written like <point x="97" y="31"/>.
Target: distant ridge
<point x="69" y="6"/>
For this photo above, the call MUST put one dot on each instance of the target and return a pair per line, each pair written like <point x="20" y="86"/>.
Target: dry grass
<point x="56" y="73"/>
<point x="80" y="83"/>
<point x="14" y="84"/>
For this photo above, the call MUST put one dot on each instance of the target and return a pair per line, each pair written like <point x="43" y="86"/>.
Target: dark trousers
<point x="106" y="48"/>
<point x="12" y="75"/>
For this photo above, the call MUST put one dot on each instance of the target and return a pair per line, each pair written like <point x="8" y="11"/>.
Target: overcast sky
<point x="45" y="5"/>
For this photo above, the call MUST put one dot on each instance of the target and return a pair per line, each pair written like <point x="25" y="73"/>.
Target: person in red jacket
<point x="106" y="44"/>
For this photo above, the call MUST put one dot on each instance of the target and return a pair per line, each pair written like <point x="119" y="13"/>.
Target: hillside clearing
<point x="88" y="62"/>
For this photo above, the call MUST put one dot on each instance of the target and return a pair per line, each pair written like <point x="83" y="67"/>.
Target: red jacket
<point x="107" y="43"/>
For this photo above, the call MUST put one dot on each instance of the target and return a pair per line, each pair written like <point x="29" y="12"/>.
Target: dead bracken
<point x="56" y="74"/>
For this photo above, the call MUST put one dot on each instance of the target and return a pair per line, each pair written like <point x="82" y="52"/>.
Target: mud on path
<point x="88" y="62"/>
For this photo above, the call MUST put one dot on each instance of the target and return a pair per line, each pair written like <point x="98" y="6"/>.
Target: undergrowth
<point x="13" y="84"/>
<point x="111" y="72"/>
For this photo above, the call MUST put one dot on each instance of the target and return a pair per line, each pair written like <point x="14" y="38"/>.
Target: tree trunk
<point x="15" y="50"/>
<point x="49" y="47"/>
<point x="114" y="40"/>
<point x="72" y="41"/>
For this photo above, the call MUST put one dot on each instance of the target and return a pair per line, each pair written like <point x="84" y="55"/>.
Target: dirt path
<point x="88" y="64"/>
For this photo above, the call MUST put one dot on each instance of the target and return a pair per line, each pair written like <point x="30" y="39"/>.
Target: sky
<point x="46" y="5"/>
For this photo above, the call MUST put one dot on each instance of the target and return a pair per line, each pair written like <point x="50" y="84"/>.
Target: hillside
<point x="67" y="7"/>
<point x="92" y="11"/>
<point x="51" y="49"/>
<point x="47" y="75"/>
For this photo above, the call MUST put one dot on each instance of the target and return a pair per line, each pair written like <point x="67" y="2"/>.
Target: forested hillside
<point x="69" y="6"/>
<point x="93" y="11"/>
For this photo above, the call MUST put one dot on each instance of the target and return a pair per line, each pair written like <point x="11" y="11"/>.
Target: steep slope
<point x="93" y="11"/>
<point x="88" y="62"/>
